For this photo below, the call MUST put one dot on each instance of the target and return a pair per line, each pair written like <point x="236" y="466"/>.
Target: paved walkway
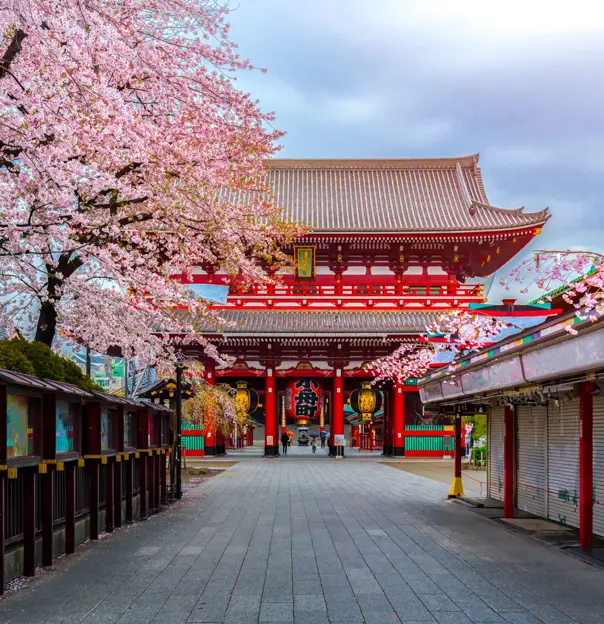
<point x="314" y="542"/>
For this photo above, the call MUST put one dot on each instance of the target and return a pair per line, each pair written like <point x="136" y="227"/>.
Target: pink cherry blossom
<point x="127" y="156"/>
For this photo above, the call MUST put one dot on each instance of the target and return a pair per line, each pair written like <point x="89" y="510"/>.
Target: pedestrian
<point x="314" y="445"/>
<point x="322" y="439"/>
<point x="330" y="445"/>
<point x="285" y="442"/>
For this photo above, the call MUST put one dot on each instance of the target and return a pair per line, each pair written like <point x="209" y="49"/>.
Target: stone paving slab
<point x="315" y="542"/>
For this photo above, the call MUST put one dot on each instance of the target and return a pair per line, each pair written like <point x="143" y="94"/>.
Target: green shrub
<point x="479" y="455"/>
<point x="35" y="358"/>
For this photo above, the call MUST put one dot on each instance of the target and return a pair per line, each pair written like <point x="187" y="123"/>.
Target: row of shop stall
<point x="73" y="464"/>
<point x="543" y="393"/>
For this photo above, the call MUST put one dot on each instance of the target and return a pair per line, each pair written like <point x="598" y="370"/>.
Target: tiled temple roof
<point x="402" y="195"/>
<point x="325" y="323"/>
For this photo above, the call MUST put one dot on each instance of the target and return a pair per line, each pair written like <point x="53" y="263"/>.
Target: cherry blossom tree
<point x="127" y="156"/>
<point x="458" y="330"/>
<point x="578" y="275"/>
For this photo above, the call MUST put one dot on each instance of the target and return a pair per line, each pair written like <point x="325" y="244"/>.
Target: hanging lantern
<point x="366" y="401"/>
<point x="246" y="398"/>
<point x="303" y="400"/>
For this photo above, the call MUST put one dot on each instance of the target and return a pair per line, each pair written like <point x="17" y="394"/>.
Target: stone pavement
<point x="311" y="542"/>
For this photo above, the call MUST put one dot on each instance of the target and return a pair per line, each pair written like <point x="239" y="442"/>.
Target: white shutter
<point x="531" y="449"/>
<point x="563" y="462"/>
<point x="599" y="465"/>
<point x="495" y="453"/>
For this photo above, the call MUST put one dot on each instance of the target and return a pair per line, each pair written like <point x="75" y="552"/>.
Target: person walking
<point x="285" y="442"/>
<point x="322" y="439"/>
<point x="314" y="445"/>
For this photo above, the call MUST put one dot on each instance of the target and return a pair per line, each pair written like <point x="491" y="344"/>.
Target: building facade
<point x="542" y="393"/>
<point x="393" y="243"/>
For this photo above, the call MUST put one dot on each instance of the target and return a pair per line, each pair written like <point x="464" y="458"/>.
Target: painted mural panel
<point x="64" y="427"/>
<point x="19" y="435"/>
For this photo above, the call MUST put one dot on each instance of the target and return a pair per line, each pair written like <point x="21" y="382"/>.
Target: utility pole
<point x="88" y="363"/>
<point x="178" y="463"/>
<point x="126" y="378"/>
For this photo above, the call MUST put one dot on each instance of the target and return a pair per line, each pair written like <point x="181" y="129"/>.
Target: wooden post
<point x="3" y="457"/>
<point x="143" y="485"/>
<point x="29" y="521"/>
<point x="117" y="493"/>
<point x="508" y="461"/>
<point x="2" y="520"/>
<point x="151" y="479"/>
<point x="586" y="465"/>
<point x="70" y="506"/>
<point x="162" y="478"/>
<point x="109" y="507"/>
<point x="46" y="482"/>
<point x="158" y="464"/>
<point x="129" y="467"/>
<point x="93" y="475"/>
<point x="457" y="485"/>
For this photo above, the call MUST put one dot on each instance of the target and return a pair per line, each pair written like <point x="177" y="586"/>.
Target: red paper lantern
<point x="303" y="400"/>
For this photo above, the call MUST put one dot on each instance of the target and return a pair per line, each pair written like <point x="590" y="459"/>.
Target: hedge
<point x="35" y="358"/>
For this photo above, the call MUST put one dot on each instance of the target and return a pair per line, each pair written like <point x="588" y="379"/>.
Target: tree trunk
<point x="47" y="323"/>
<point x="47" y="319"/>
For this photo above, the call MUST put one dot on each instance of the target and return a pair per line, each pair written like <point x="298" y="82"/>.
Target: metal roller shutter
<point x="531" y="449"/>
<point x="495" y="453"/>
<point x="563" y="462"/>
<point x="599" y="465"/>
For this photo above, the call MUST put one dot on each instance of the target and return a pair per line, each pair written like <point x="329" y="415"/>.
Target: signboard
<point x="339" y="440"/>
<point x="269" y="440"/>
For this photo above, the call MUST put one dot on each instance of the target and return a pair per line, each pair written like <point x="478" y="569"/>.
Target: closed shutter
<point x="599" y="466"/>
<point x="531" y="449"/>
<point x="563" y="462"/>
<point x="495" y="453"/>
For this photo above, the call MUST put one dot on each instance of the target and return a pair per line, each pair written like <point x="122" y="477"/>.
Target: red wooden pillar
<point x="29" y="521"/>
<point x="212" y="441"/>
<point x="586" y="465"/>
<point x="509" y="430"/>
<point x="93" y="475"/>
<point x="70" y="506"/>
<point x="337" y="406"/>
<point x="457" y="485"/>
<point x="271" y="439"/>
<point x="398" y="421"/>
<point x="109" y="500"/>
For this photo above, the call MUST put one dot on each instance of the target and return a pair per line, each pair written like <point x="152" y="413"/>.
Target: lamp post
<point x="178" y="463"/>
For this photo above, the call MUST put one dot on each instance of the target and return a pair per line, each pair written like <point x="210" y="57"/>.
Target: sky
<point x="521" y="82"/>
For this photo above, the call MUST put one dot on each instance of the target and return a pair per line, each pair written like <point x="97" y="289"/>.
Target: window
<point x="20" y="429"/>
<point x="66" y="425"/>
<point x="108" y="417"/>
<point x="129" y="433"/>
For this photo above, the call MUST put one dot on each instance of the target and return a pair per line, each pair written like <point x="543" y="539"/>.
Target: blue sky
<point x="521" y="82"/>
